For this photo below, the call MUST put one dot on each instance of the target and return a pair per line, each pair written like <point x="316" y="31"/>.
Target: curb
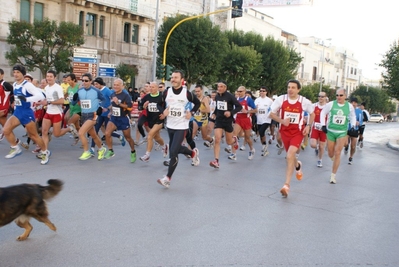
<point x="392" y="146"/>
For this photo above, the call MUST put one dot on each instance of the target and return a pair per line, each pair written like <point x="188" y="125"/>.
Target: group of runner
<point x="183" y="113"/>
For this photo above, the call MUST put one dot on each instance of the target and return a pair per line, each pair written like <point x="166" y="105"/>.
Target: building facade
<point x="123" y="31"/>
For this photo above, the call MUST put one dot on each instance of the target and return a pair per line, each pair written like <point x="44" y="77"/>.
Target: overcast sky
<point x="366" y="27"/>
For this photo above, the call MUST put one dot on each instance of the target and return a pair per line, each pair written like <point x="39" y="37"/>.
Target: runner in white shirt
<point x="263" y="104"/>
<point x="53" y="117"/>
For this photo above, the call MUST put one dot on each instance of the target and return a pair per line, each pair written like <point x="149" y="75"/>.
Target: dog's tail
<point x="52" y="189"/>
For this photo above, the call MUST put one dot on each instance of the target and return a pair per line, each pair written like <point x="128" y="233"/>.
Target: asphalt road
<point x="113" y="213"/>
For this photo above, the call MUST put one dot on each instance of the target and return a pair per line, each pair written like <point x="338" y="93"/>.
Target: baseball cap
<point x="29" y="75"/>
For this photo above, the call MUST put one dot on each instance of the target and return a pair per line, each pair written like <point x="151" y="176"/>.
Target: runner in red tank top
<point x="6" y="91"/>
<point x="244" y="122"/>
<point x="317" y="137"/>
<point x="292" y="129"/>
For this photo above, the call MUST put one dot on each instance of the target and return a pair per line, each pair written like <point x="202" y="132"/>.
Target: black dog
<point x="21" y="202"/>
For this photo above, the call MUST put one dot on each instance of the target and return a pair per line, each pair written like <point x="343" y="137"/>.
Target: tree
<point x="390" y="62"/>
<point x="195" y="46"/>
<point x="126" y="72"/>
<point x="279" y="63"/>
<point x="43" y="44"/>
<point x="376" y="100"/>
<point x="312" y="91"/>
<point x="241" y="66"/>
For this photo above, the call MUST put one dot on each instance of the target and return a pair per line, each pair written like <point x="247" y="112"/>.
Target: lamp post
<point x="322" y="64"/>
<point x="154" y="52"/>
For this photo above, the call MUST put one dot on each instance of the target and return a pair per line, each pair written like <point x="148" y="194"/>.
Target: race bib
<point x="70" y="96"/>
<point x="152" y="107"/>
<point x="317" y="126"/>
<point x="116" y="111"/>
<point x="85" y="104"/>
<point x="339" y="119"/>
<point x="294" y="117"/>
<point x="262" y="111"/>
<point x="176" y="112"/>
<point x="222" y="105"/>
<point x="17" y="101"/>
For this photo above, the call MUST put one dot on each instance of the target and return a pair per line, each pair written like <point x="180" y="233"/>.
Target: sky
<point x="366" y="27"/>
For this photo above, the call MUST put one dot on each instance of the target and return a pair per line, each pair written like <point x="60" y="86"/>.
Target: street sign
<point x="85" y="51"/>
<point x="107" y="70"/>
<point x="264" y="3"/>
<point x="85" y="60"/>
<point x="81" y="55"/>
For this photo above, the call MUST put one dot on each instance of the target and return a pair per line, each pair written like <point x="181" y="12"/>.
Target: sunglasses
<point x="321" y="96"/>
<point x="339" y="95"/>
<point x="240" y="91"/>
<point x="262" y="91"/>
<point x="85" y="81"/>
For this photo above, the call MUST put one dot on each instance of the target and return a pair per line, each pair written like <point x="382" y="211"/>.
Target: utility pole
<point x="322" y="64"/>
<point x="154" y="52"/>
<point x="180" y="22"/>
<point x="343" y="72"/>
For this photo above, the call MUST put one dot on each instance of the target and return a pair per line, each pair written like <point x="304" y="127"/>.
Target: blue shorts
<point x="121" y="123"/>
<point x="88" y="116"/>
<point x="24" y="116"/>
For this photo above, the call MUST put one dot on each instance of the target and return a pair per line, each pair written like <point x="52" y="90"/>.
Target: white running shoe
<point x="145" y="158"/>
<point x="251" y="154"/>
<point x="165" y="150"/>
<point x="242" y="148"/>
<point x="165" y="181"/>
<point x="332" y="179"/>
<point x="196" y="160"/>
<point x="280" y="149"/>
<point x="319" y="163"/>
<point x="232" y="156"/>
<point x="15" y="151"/>
<point x="45" y="157"/>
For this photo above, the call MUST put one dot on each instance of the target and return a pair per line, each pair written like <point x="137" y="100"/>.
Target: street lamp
<point x="322" y="64"/>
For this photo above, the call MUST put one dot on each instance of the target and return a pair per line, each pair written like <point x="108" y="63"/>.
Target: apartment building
<point x="335" y="66"/>
<point x="123" y="31"/>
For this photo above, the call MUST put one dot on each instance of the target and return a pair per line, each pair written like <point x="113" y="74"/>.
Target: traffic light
<point x="236" y="12"/>
<point x="168" y="72"/>
<point x="162" y="70"/>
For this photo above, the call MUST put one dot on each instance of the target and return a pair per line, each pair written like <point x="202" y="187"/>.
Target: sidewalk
<point x="393" y="144"/>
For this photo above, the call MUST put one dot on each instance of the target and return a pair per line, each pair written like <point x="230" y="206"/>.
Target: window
<point x="38" y="11"/>
<point x="355" y="71"/>
<point x="25" y="11"/>
<point x="351" y="70"/>
<point x="314" y="74"/>
<point x="126" y="32"/>
<point x="101" y="27"/>
<point x="135" y="34"/>
<point x="91" y="21"/>
<point x="133" y="5"/>
<point x="81" y="16"/>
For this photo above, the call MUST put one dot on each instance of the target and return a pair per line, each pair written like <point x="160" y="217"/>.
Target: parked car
<point x="376" y="118"/>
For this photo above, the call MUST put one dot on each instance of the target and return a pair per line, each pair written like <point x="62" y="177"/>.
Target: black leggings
<point x="142" y="119"/>
<point x="176" y="138"/>
<point x="189" y="135"/>
<point x="262" y="129"/>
